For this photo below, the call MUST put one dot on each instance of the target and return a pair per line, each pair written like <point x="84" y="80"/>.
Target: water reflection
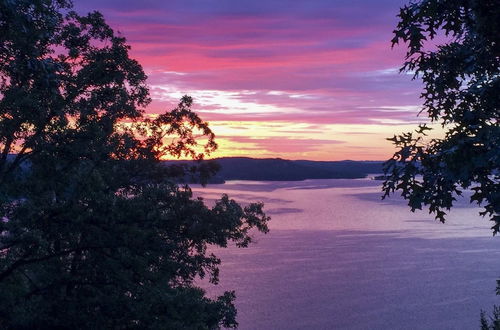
<point x="346" y="204"/>
<point x="361" y="280"/>
<point x="339" y="258"/>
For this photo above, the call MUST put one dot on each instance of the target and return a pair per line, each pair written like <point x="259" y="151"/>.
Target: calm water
<point x="338" y="257"/>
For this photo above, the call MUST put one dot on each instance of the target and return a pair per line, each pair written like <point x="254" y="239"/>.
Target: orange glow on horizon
<point x="289" y="140"/>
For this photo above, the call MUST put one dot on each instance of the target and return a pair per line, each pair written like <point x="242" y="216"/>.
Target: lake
<point x="337" y="257"/>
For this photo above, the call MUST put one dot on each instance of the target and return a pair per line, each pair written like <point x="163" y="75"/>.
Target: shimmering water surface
<point x="337" y="257"/>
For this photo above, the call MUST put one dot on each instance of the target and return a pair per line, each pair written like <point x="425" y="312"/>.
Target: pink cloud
<point x="280" y="144"/>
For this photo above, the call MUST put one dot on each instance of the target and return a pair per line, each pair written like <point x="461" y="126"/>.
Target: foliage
<point x="494" y="322"/>
<point x="454" y="47"/>
<point x="95" y="232"/>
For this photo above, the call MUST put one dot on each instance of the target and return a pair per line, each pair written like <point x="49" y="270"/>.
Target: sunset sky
<point x="296" y="79"/>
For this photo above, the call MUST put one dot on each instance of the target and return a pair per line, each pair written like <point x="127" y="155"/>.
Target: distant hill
<point x="277" y="169"/>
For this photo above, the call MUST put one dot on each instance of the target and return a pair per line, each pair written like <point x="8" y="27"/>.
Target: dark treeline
<point x="277" y="169"/>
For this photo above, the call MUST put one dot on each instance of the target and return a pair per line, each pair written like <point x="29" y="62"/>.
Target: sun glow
<point x="319" y="89"/>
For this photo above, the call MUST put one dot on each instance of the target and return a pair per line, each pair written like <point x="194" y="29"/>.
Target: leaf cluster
<point x="454" y="48"/>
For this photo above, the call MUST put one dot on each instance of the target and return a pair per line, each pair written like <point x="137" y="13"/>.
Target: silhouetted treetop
<point x="454" y="47"/>
<point x="94" y="231"/>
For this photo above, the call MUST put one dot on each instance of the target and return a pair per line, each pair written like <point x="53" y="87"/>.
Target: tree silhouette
<point x="460" y="71"/>
<point x="95" y="231"/>
<point x="461" y="79"/>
